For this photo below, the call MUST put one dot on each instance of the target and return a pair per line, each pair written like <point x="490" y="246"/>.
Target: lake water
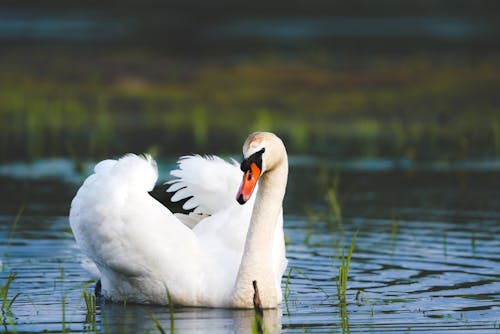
<point x="426" y="259"/>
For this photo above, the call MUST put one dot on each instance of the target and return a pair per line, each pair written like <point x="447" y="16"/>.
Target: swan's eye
<point x="254" y="158"/>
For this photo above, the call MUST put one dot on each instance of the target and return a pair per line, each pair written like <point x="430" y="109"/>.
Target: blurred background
<point x="390" y="111"/>
<point x="417" y="80"/>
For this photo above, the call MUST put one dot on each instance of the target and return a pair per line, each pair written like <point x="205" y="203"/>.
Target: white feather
<point x="210" y="181"/>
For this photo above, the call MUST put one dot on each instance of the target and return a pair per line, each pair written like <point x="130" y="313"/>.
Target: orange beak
<point x="248" y="184"/>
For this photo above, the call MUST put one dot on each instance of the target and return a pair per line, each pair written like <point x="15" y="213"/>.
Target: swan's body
<point x="209" y="258"/>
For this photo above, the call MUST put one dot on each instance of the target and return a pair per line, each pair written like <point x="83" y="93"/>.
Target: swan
<point x="210" y="257"/>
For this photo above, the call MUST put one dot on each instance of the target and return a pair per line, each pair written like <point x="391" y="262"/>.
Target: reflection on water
<point x="137" y="319"/>
<point x="426" y="256"/>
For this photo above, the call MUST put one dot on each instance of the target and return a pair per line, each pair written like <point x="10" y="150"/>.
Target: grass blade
<point x="157" y="324"/>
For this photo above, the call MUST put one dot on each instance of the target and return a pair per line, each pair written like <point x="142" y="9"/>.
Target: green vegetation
<point x="394" y="229"/>
<point x="445" y="244"/>
<point x="394" y="232"/>
<point x="258" y="322"/>
<point x="11" y="233"/>
<point x="418" y="106"/>
<point x="63" y="301"/>
<point x="8" y="318"/>
<point x="158" y="324"/>
<point x="330" y="213"/>
<point x="342" y="285"/>
<point x="171" y="311"/>
<point x="344" y="272"/>
<point x="287" y="292"/>
<point x="334" y="215"/>
<point x="91" y="307"/>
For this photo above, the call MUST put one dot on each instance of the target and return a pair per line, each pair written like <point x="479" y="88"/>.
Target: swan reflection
<point x="119" y="318"/>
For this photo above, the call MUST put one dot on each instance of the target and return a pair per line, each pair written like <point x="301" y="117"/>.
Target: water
<point x="427" y="256"/>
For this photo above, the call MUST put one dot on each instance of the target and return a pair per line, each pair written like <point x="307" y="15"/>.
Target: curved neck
<point x="256" y="263"/>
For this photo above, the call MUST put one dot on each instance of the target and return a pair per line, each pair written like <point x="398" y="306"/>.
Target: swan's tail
<point x="137" y="171"/>
<point x="100" y="201"/>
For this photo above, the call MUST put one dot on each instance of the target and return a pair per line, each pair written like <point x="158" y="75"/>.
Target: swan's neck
<point x="256" y="263"/>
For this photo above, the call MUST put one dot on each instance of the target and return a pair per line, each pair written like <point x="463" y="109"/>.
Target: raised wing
<point x="208" y="183"/>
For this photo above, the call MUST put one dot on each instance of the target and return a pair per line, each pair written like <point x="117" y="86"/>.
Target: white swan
<point x="141" y="249"/>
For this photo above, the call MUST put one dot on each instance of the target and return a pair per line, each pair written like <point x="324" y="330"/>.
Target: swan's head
<point x="262" y="152"/>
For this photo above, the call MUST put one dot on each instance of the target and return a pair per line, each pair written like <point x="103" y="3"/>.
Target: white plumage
<point x="211" y="183"/>
<point x="141" y="249"/>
